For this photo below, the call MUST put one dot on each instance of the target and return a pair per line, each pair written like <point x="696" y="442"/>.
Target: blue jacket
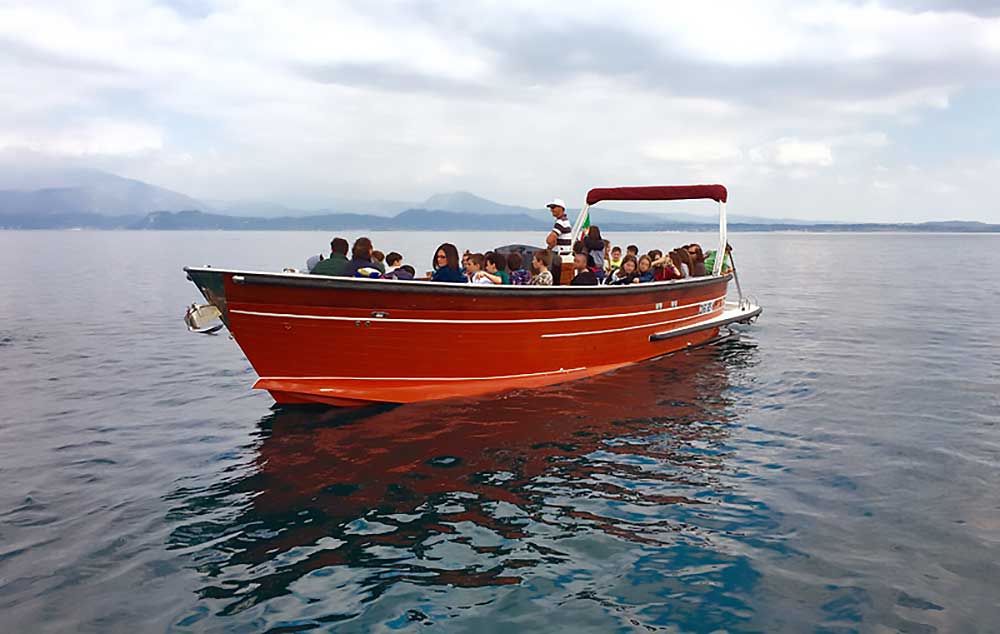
<point x="356" y="263"/>
<point x="448" y="274"/>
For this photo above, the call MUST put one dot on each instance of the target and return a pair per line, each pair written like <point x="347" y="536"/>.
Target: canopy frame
<point x="717" y="193"/>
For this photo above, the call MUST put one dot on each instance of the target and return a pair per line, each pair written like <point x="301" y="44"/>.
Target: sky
<point x="839" y="110"/>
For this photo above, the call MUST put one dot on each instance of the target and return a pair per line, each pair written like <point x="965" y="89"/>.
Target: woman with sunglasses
<point x="697" y="260"/>
<point x="446" y="265"/>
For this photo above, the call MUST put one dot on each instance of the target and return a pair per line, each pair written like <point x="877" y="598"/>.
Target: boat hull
<point x="352" y="342"/>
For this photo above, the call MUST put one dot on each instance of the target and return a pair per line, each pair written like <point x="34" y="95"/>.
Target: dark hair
<point x="579" y="247"/>
<point x="392" y="258"/>
<point x="616" y="247"/>
<point x="545" y="257"/>
<point x="625" y="260"/>
<point x="338" y="245"/>
<point x="514" y="261"/>
<point x="655" y="254"/>
<point x="684" y="257"/>
<point x="632" y="247"/>
<point x="450" y="252"/>
<point x="498" y="259"/>
<point x="378" y="255"/>
<point x="593" y="241"/>
<point x="407" y="267"/>
<point x="362" y="249"/>
<point x="675" y="258"/>
<point x="478" y="259"/>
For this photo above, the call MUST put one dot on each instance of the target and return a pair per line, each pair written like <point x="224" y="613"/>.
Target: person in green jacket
<point x="337" y="263"/>
<point x="727" y="264"/>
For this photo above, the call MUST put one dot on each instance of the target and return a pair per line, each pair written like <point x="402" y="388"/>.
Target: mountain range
<point x="88" y="198"/>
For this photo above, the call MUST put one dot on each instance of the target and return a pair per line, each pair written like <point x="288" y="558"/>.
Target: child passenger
<point x="495" y="265"/>
<point x="645" y="269"/>
<point x="518" y="276"/>
<point x="594" y="245"/>
<point x="378" y="261"/>
<point x="616" y="259"/>
<point x="475" y="270"/>
<point x="541" y="262"/>
<point x="626" y="274"/>
<point x="392" y="262"/>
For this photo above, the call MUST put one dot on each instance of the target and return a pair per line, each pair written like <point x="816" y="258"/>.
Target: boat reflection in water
<point x="606" y="491"/>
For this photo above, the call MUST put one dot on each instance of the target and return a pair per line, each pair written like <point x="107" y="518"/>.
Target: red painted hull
<point x="341" y="341"/>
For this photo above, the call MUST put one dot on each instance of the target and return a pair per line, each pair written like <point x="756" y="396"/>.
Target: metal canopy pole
<point x="720" y="255"/>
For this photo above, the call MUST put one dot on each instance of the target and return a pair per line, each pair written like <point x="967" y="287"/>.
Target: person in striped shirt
<point x="560" y="239"/>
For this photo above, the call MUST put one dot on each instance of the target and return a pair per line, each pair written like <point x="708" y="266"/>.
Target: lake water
<point x="835" y="469"/>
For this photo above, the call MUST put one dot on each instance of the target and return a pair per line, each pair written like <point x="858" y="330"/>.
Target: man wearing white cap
<point x="560" y="239"/>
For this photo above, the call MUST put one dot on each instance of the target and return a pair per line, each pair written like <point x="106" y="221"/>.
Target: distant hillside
<point x="411" y="220"/>
<point x="73" y="198"/>
<point x="602" y="216"/>
<point x="84" y="198"/>
<point x="436" y="220"/>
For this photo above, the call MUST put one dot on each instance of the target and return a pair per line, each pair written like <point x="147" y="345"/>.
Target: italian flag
<point x="586" y="223"/>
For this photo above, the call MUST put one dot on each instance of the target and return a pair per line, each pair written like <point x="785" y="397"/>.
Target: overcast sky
<point x="835" y="110"/>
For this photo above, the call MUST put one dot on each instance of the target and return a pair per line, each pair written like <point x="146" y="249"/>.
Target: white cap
<point x="556" y="202"/>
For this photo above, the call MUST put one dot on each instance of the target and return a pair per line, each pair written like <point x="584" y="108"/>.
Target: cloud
<point x="449" y="169"/>
<point x="317" y="100"/>
<point x="795" y="152"/>
<point x="693" y="150"/>
<point x="88" y="138"/>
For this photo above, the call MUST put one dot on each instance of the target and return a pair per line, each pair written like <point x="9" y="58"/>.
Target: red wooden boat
<point x="355" y="341"/>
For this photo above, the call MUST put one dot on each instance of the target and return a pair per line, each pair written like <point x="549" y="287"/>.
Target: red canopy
<point x="658" y="192"/>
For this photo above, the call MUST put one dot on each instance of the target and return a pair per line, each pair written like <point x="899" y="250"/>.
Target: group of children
<point x="595" y="262"/>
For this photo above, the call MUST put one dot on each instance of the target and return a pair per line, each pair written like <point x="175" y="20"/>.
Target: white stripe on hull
<point x="415" y="320"/>
<point x="636" y="327"/>
<point x="418" y="378"/>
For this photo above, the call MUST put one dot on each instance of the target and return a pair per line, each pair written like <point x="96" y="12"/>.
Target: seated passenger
<point x="312" y="262"/>
<point x="392" y="262"/>
<point x="465" y="262"/>
<point x="518" y="276"/>
<point x="378" y="261"/>
<point x="405" y="272"/>
<point x="594" y="245"/>
<point x="727" y="264"/>
<point x="496" y="265"/>
<point x="656" y="262"/>
<point x="684" y="261"/>
<point x="645" y="269"/>
<point x="361" y="258"/>
<point x="632" y="250"/>
<point x="541" y="262"/>
<point x="616" y="259"/>
<point x="446" y="265"/>
<point x="583" y="275"/>
<point x="667" y="267"/>
<point x="626" y="273"/>
<point x="337" y="263"/>
<point x="697" y="260"/>
<point x="475" y="270"/>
